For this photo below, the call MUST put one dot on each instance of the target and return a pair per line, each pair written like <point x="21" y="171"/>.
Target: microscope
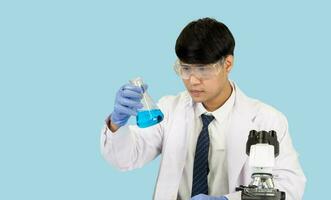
<point x="262" y="147"/>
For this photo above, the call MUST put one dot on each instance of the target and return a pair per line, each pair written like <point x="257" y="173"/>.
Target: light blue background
<point x="61" y="63"/>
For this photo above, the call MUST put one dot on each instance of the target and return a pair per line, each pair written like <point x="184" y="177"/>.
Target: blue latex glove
<point x="127" y="101"/>
<point x="206" y="197"/>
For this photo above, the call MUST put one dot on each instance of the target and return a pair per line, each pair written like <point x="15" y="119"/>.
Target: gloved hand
<point x="127" y="101"/>
<point x="206" y="197"/>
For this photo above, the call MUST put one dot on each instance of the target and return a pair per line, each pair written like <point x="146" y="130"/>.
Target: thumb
<point x="144" y="87"/>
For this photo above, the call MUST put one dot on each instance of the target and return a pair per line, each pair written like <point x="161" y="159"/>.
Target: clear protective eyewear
<point x="200" y="71"/>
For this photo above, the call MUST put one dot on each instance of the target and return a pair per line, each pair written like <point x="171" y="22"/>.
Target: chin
<point x="198" y="99"/>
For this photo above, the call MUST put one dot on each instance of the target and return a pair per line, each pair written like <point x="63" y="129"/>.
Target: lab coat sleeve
<point x="132" y="147"/>
<point x="288" y="175"/>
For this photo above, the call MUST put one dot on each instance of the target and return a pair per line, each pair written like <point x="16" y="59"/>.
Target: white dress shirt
<point x="218" y="174"/>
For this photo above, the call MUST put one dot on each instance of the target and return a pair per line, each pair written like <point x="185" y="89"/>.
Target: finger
<point x="125" y="110"/>
<point x="131" y="94"/>
<point x="140" y="105"/>
<point x="133" y="103"/>
<point x="132" y="88"/>
<point x="144" y="87"/>
<point x="200" y="197"/>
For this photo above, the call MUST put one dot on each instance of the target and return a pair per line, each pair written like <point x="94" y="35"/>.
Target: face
<point x="212" y="89"/>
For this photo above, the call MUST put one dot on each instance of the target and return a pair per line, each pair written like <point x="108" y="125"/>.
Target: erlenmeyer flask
<point x="150" y="114"/>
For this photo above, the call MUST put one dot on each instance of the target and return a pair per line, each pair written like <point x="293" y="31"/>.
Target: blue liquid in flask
<point x="146" y="118"/>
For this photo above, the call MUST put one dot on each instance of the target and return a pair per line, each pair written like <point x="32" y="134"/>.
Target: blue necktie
<point x="201" y="168"/>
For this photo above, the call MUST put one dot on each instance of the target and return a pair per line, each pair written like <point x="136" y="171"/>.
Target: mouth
<point x="196" y="92"/>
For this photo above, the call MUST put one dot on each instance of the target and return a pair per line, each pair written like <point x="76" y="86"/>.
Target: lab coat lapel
<point x="241" y="123"/>
<point x="174" y="153"/>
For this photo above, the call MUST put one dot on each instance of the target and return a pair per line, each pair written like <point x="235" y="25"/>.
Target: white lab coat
<point x="132" y="147"/>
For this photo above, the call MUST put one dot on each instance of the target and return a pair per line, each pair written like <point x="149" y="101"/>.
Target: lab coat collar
<point x="221" y="113"/>
<point x="242" y="103"/>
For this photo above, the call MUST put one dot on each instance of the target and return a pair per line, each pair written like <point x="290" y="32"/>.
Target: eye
<point x="204" y="69"/>
<point x="186" y="68"/>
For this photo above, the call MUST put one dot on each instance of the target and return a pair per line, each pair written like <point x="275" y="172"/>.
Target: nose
<point x="194" y="80"/>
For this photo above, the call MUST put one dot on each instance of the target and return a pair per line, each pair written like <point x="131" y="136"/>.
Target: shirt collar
<point x="222" y="112"/>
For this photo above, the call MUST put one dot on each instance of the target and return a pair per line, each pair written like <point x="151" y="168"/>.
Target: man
<point x="202" y="138"/>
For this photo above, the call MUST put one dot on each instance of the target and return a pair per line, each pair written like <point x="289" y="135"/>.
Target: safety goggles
<point x="200" y="71"/>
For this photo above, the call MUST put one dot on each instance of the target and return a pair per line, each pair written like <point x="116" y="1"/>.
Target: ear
<point x="228" y="63"/>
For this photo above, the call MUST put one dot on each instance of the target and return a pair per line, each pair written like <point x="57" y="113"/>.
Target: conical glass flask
<point x="150" y="114"/>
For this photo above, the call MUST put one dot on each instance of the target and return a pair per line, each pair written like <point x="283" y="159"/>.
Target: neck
<point x="216" y="102"/>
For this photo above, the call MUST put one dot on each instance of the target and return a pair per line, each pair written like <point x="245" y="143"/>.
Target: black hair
<point x="204" y="41"/>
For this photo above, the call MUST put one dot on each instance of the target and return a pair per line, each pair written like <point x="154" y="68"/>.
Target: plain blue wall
<point x="61" y="63"/>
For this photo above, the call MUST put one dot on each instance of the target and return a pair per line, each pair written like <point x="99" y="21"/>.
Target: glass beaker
<point x="150" y="114"/>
